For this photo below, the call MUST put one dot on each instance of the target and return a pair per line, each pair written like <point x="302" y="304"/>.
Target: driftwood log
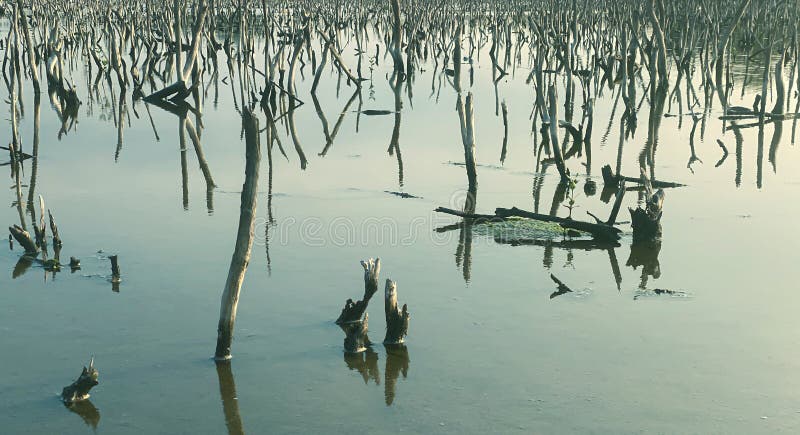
<point x="600" y="231"/>
<point x="396" y="319"/>
<point x="79" y="390"/>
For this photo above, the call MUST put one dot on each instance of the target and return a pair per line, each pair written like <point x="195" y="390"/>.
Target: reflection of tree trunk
<point x="397" y="362"/>
<point x="244" y="239"/>
<point x="230" y="401"/>
<point x="773" y="146"/>
<point x="295" y="139"/>
<point x="394" y="143"/>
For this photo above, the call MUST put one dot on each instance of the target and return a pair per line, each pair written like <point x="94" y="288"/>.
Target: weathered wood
<point x="24" y="239"/>
<point x="244" y="238"/>
<point x="396" y="319"/>
<point x="354" y="311"/>
<point x="54" y="229"/>
<point x="356" y="339"/>
<point x="611" y="179"/>
<point x="79" y="390"/>
<point x="115" y="273"/>
<point x="646" y="222"/>
<point x="553" y="113"/>
<point x="612" y="219"/>
<point x="598" y="230"/>
<point x="467" y="122"/>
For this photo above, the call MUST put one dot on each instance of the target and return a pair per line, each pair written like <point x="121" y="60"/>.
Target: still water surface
<point x="488" y="350"/>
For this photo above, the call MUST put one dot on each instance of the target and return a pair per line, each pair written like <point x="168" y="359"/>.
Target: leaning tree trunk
<point x="244" y="239"/>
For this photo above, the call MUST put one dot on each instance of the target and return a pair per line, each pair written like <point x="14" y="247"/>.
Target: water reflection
<point x="366" y="364"/>
<point x="397" y="362"/>
<point x="645" y="254"/>
<point x="230" y="401"/>
<point x="87" y="411"/>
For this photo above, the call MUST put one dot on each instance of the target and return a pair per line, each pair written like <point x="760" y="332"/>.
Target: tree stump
<point x="354" y="311"/>
<point x="396" y="319"/>
<point x="79" y="390"/>
<point x="356" y="339"/>
<point x="353" y="319"/>
<point x="646" y="222"/>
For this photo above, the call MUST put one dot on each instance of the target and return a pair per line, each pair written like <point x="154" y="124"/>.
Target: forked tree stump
<point x="353" y="319"/>
<point x="396" y="319"/>
<point x="79" y="390"/>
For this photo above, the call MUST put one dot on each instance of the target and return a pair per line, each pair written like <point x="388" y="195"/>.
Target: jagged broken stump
<point x="79" y="390"/>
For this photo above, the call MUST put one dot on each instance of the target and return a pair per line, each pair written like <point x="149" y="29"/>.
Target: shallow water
<point x="489" y="350"/>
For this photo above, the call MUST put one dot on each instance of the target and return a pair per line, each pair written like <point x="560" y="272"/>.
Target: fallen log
<point x="598" y="230"/>
<point x="611" y="179"/>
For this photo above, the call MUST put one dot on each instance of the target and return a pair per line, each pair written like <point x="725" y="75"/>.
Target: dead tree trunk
<point x="396" y="319"/>
<point x="467" y="122"/>
<point x="244" y="239"/>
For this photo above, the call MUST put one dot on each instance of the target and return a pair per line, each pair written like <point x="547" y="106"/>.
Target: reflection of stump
<point x="645" y="254"/>
<point x="365" y="363"/>
<point x="79" y="390"/>
<point x="397" y="362"/>
<point x="356" y="339"/>
<point x="396" y="319"/>
<point x="87" y="411"/>
<point x="646" y="222"/>
<point x="230" y="403"/>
